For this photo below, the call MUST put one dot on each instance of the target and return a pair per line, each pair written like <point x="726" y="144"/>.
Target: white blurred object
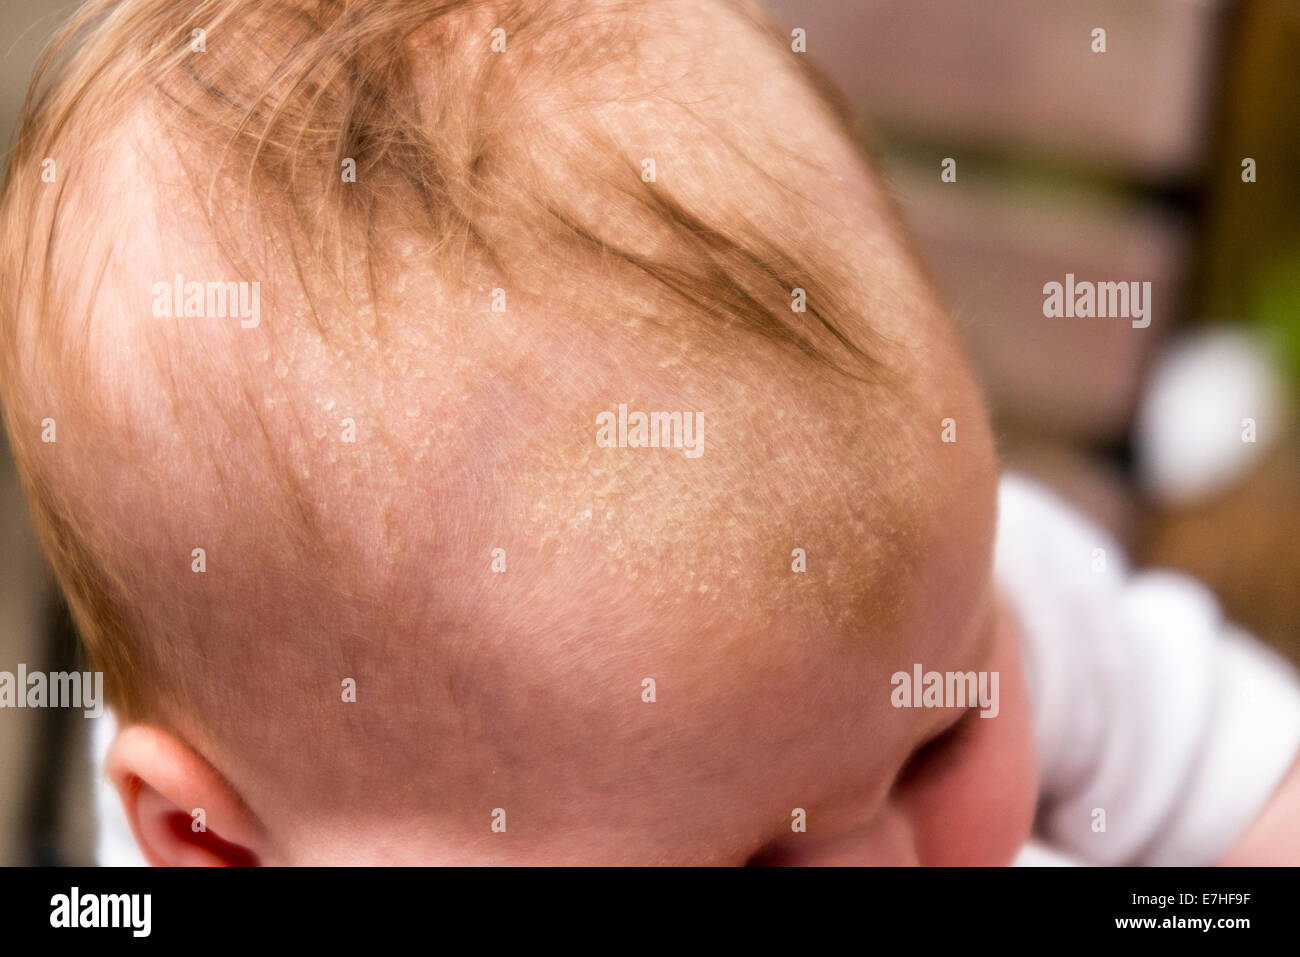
<point x="1189" y="432"/>
<point x="1038" y="854"/>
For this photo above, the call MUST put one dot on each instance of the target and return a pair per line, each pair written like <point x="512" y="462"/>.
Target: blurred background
<point x="1127" y="164"/>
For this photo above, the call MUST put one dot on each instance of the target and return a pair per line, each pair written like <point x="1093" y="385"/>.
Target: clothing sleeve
<point x="1162" y="730"/>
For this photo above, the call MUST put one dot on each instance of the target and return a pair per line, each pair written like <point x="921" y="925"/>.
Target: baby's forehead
<point x="431" y="468"/>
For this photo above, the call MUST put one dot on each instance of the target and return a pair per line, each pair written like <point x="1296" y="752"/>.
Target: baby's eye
<point x="945" y="742"/>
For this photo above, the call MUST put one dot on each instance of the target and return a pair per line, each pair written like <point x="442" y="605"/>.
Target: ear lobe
<point x="162" y="784"/>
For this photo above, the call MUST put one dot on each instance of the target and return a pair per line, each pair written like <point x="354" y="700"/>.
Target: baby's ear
<point x="182" y="812"/>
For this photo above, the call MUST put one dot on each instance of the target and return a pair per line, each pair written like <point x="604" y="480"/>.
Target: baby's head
<point x="364" y="542"/>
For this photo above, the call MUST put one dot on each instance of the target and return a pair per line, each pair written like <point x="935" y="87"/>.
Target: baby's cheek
<point x="975" y="805"/>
